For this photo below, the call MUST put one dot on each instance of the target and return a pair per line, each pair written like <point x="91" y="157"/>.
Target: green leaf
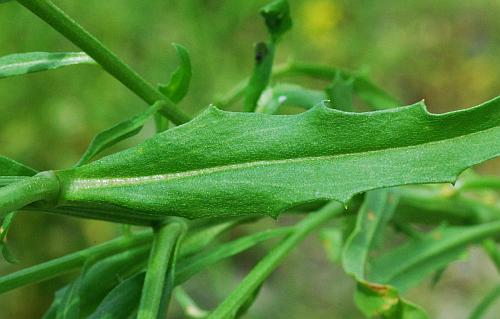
<point x="10" y="170"/>
<point x="23" y="63"/>
<point x="230" y="164"/>
<point x="373" y="216"/>
<point x="277" y="17"/>
<point x="372" y="298"/>
<point x="3" y="1"/>
<point x="178" y="85"/>
<point x="9" y="167"/>
<point x="340" y="92"/>
<point x="407" y="265"/>
<point x="51" y="313"/>
<point x="122" y="301"/>
<point x="285" y="94"/>
<point x="107" y="273"/>
<point x="118" y="133"/>
<point x="382" y="300"/>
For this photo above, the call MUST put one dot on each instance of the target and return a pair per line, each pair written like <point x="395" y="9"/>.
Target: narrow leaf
<point x="372" y="298"/>
<point x="178" y="85"/>
<point x="420" y="258"/>
<point x="23" y="63"/>
<point x="9" y="167"/>
<point x="10" y="170"/>
<point x="230" y="164"/>
<point x="117" y="133"/>
<point x="375" y="213"/>
<point x="122" y="301"/>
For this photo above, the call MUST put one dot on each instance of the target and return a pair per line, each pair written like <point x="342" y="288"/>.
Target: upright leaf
<point x="9" y="167"/>
<point x="23" y="63"/>
<point x="118" y="133"/>
<point x="375" y="213"/>
<point x="371" y="297"/>
<point x="229" y="164"/>
<point x="178" y="85"/>
<point x="340" y="92"/>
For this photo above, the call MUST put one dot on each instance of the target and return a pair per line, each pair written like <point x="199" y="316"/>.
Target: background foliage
<point x="443" y="51"/>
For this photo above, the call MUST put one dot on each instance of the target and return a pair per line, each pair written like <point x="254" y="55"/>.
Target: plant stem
<point x="490" y="246"/>
<point x="485" y="303"/>
<point x="271" y="261"/>
<point x="60" y="21"/>
<point x="159" y="280"/>
<point x="59" y="266"/>
<point x="43" y="186"/>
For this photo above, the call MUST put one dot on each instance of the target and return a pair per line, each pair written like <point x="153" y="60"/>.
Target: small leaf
<point x="277" y="17"/>
<point x="9" y="167"/>
<point x="23" y="63"/>
<point x="373" y="216"/>
<point x="7" y="255"/>
<point x="382" y="300"/>
<point x="122" y="301"/>
<point x="117" y="133"/>
<point x="178" y="85"/>
<point x="107" y="273"/>
<point x="340" y="92"/>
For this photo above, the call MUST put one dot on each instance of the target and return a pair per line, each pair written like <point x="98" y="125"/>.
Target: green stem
<point x="74" y="32"/>
<point x="490" y="246"/>
<point x="56" y="267"/>
<point x="485" y="303"/>
<point x="271" y="261"/>
<point x="159" y="280"/>
<point x="43" y="186"/>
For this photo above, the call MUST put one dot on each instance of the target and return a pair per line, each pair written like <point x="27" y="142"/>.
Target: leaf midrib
<point x="138" y="180"/>
<point x="79" y="58"/>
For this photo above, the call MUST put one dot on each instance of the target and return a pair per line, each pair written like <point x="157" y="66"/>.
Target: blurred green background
<point x="445" y="52"/>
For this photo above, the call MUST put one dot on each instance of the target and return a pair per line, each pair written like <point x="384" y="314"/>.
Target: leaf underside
<point x="225" y="163"/>
<point x="23" y="63"/>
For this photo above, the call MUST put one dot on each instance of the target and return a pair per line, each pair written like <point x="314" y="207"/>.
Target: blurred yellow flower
<point x="319" y="18"/>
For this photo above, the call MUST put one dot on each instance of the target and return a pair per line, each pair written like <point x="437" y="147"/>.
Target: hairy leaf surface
<point x="225" y="163"/>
